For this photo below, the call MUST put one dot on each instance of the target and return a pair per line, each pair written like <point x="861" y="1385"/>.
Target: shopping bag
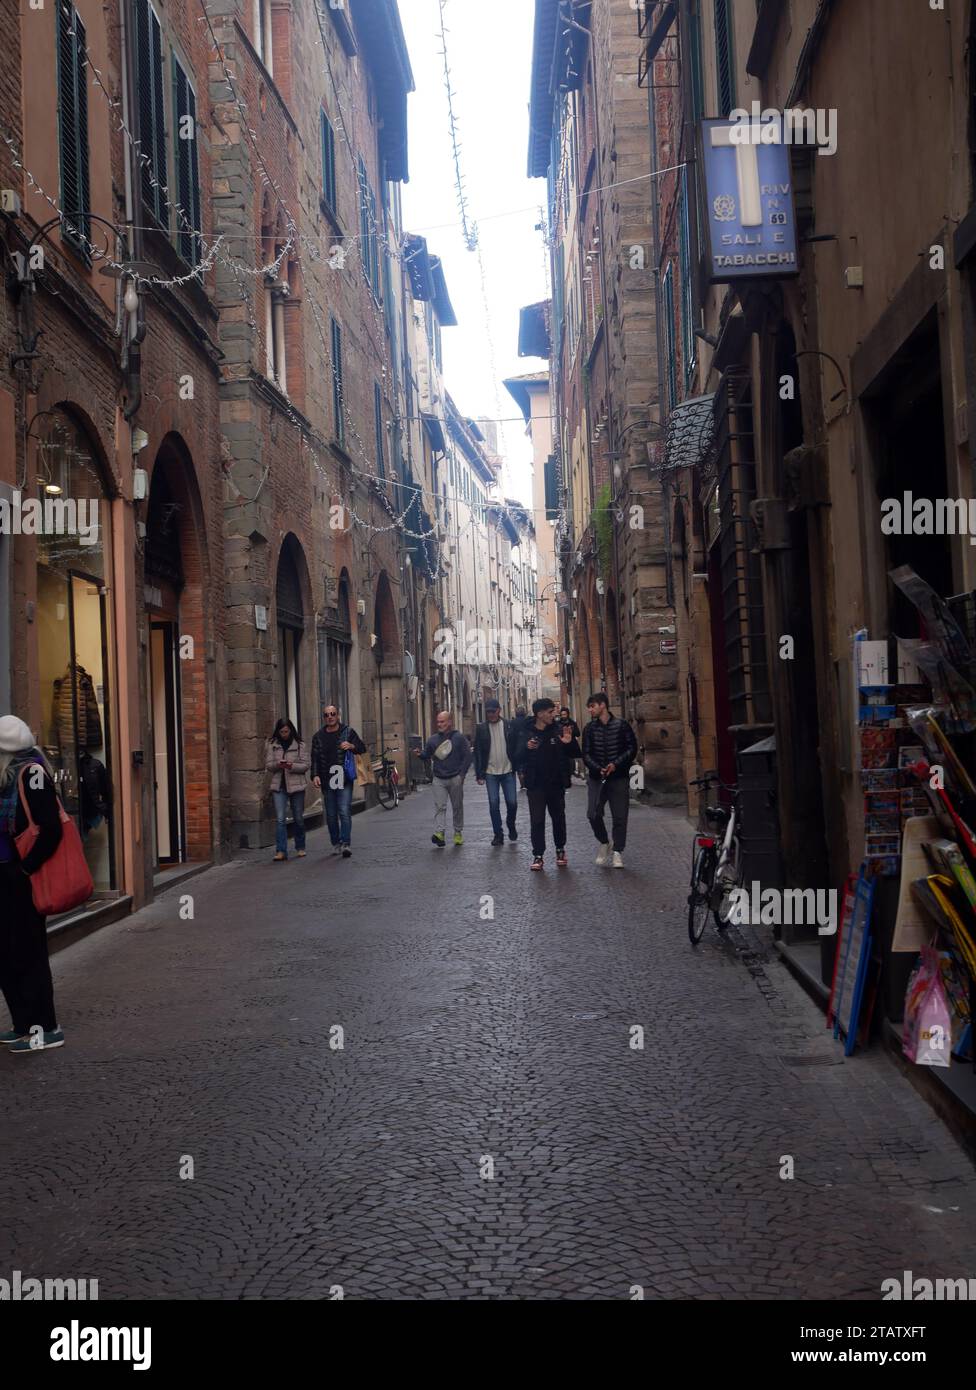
<point x="64" y="881"/>
<point x="927" y="1032"/>
<point x="364" y="769"/>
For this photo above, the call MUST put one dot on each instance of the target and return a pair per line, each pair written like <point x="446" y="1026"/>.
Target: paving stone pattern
<point x="468" y="1041"/>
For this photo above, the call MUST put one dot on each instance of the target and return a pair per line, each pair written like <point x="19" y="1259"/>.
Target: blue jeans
<point x="281" y="800"/>
<point x="504" y="782"/>
<point x="338" y="814"/>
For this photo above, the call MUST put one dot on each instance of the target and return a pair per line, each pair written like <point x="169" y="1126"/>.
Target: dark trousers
<point x="616" y="790"/>
<point x="25" y="971"/>
<point x="553" y="800"/>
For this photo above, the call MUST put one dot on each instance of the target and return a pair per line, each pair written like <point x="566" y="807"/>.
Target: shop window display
<point x="74" y="641"/>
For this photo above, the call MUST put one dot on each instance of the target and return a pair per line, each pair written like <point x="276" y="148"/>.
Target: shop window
<point x="74" y="637"/>
<point x="73" y="128"/>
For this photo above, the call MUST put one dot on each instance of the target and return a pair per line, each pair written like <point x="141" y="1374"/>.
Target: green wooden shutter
<point x="152" y="117"/>
<point x="328" y="163"/>
<point x="187" y="168"/>
<point x="73" y="128"/>
<point x="724" y="68"/>
<point x="340" y="428"/>
<point x="670" y="367"/>
<point x="378" y="411"/>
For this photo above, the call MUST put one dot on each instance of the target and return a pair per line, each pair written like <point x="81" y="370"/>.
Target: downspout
<point x="133" y="351"/>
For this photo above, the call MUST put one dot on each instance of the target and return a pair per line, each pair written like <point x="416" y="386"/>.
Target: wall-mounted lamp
<point x="139" y="440"/>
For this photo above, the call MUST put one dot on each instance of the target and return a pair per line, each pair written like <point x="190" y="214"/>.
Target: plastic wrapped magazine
<point x="940" y="624"/>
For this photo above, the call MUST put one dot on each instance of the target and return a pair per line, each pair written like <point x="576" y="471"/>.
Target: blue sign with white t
<point x="749" y="201"/>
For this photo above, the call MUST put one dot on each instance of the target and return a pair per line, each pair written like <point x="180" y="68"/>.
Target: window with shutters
<point x="73" y="129"/>
<point x="378" y="413"/>
<point x="152" y="115"/>
<point x="186" y="165"/>
<point x="368" y="232"/>
<point x="724" y="70"/>
<point x="670" y="366"/>
<point x="689" y="342"/>
<point x="262" y="33"/>
<point x="337" y="392"/>
<point x="697" y="83"/>
<point x="328" y="164"/>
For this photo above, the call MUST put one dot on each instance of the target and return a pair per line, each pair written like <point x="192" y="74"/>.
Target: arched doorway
<point x="335" y="651"/>
<point x="175" y="587"/>
<point x="389" y="668"/>
<point x="290" y="586"/>
<point x="74" y="639"/>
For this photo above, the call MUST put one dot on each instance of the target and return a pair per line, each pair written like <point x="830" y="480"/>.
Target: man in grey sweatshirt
<point x="449" y="752"/>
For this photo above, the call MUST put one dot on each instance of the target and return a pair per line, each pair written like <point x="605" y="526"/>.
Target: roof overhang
<point x="384" y="50"/>
<point x="559" y="43"/>
<point x="534" y="339"/>
<point x="520" y="389"/>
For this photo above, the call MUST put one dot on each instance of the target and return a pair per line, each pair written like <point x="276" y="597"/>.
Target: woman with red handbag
<point x="25" y="971"/>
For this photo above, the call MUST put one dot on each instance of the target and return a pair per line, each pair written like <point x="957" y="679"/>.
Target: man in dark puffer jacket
<point x="609" y="748"/>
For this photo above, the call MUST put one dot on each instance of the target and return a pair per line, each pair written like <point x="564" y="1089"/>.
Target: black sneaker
<point x="346" y="851"/>
<point x="512" y="833"/>
<point x="497" y="840"/>
<point x="537" y="863"/>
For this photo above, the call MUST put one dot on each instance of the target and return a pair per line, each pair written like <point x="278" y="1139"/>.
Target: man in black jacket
<point x="541" y="754"/>
<point x="494" y="763"/>
<point x="609" y="748"/>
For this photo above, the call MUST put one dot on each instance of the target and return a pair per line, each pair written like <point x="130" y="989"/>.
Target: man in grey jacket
<point x="449" y="753"/>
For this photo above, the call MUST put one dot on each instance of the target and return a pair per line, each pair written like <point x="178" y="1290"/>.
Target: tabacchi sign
<point x="749" y="201"/>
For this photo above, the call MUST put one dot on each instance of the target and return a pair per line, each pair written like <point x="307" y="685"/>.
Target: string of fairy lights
<point x="296" y="244"/>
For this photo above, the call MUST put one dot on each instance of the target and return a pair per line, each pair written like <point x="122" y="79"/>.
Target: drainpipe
<point x="133" y="356"/>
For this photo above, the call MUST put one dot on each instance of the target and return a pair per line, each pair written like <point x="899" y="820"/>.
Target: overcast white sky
<point x="489" y="47"/>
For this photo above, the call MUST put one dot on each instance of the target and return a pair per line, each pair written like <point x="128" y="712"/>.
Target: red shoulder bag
<point x="64" y="881"/>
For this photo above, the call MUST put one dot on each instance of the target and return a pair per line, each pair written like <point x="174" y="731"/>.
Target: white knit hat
<point x="15" y="737"/>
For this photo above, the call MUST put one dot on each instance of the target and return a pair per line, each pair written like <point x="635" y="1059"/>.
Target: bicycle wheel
<point x="700" y="895"/>
<point x="386" y="792"/>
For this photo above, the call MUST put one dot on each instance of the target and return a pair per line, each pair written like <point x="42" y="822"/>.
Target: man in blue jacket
<point x="449" y="753"/>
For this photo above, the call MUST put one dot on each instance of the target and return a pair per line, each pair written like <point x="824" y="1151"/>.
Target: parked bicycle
<point x="717" y="862"/>
<point x="387" y="780"/>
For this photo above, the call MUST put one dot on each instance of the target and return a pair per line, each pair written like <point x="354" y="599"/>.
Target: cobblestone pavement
<point x="466" y="1039"/>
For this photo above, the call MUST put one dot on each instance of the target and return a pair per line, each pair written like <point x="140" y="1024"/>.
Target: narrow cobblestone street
<point x="464" y="1039"/>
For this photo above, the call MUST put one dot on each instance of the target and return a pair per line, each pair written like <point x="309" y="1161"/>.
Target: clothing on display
<point x="78" y="691"/>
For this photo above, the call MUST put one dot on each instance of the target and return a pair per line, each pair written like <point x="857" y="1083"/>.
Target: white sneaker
<point x="603" y="854"/>
<point x="618" y="860"/>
